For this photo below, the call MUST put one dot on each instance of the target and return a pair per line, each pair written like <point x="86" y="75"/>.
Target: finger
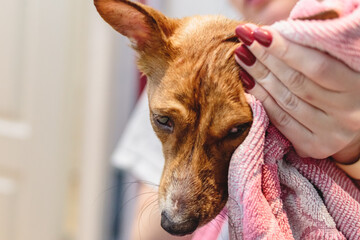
<point x="296" y="133"/>
<point x="317" y="66"/>
<point x="296" y="82"/>
<point x="305" y="113"/>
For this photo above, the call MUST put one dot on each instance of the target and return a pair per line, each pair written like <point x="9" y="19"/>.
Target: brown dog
<point x="197" y="105"/>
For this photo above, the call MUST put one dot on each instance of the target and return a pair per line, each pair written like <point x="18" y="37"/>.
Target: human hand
<point x="312" y="98"/>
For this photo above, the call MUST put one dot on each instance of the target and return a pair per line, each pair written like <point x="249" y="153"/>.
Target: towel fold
<point x="340" y="37"/>
<point x="274" y="193"/>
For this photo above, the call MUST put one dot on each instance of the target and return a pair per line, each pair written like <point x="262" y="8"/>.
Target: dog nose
<point x="178" y="228"/>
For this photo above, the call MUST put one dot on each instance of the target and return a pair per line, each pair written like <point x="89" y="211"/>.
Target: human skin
<point x="337" y="117"/>
<point x="264" y="11"/>
<point x="316" y="106"/>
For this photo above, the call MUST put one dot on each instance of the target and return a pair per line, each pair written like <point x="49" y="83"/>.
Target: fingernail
<point x="262" y="36"/>
<point x="244" y="54"/>
<point x="245" y="34"/>
<point x="247" y="80"/>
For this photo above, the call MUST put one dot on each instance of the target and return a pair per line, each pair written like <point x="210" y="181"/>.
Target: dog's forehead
<point x="200" y="30"/>
<point x="196" y="24"/>
<point x="198" y="91"/>
<point x="204" y="71"/>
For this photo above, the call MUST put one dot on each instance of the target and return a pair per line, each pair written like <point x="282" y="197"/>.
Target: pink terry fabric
<point x="340" y="37"/>
<point x="274" y="193"/>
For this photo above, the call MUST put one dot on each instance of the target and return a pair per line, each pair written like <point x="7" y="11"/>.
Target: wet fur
<point x="194" y="80"/>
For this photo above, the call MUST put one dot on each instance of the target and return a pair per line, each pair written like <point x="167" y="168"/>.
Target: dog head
<point x="197" y="105"/>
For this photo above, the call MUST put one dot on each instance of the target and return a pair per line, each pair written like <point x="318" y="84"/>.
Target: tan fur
<point x="194" y="80"/>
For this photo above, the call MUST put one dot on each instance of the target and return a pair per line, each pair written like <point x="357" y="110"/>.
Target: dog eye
<point x="234" y="130"/>
<point x="238" y="130"/>
<point x="164" y="122"/>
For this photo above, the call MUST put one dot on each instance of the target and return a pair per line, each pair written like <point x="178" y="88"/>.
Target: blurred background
<point x="68" y="84"/>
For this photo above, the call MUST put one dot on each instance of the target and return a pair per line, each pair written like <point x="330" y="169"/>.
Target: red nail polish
<point x="247" y="80"/>
<point x="245" y="34"/>
<point x="262" y="36"/>
<point x="244" y="54"/>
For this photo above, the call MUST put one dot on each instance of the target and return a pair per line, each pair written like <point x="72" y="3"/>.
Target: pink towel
<point x="340" y="37"/>
<point x="274" y="193"/>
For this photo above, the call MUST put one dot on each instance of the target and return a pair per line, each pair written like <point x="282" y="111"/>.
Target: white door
<point x="34" y="118"/>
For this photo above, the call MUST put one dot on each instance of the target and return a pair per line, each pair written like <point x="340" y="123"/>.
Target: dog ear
<point x="144" y="26"/>
<point x="148" y="30"/>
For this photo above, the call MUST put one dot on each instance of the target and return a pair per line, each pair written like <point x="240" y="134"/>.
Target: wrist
<point x="348" y="159"/>
<point x="350" y="154"/>
<point x="352" y="170"/>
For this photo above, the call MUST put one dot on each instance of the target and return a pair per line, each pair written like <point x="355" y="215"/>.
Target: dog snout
<point x="178" y="227"/>
<point x="178" y="216"/>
